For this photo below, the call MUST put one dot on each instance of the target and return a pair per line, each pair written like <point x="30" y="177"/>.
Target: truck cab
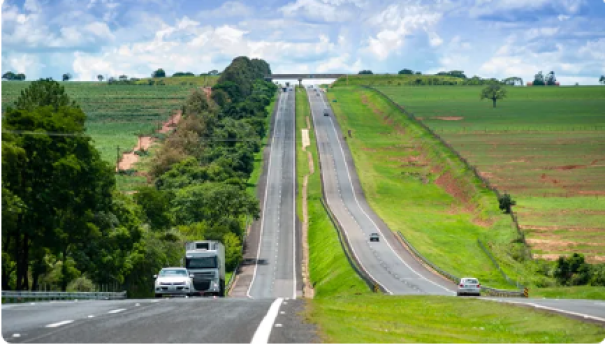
<point x="205" y="261"/>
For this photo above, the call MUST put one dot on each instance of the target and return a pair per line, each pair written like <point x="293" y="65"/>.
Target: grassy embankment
<point x="347" y="312"/>
<point x="543" y="145"/>
<point x="116" y="114"/>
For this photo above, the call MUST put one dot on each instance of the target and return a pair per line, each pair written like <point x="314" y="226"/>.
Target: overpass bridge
<point x="300" y="77"/>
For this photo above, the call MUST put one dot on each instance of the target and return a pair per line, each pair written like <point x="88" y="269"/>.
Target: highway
<point x="275" y="272"/>
<point x="174" y="320"/>
<point x="386" y="261"/>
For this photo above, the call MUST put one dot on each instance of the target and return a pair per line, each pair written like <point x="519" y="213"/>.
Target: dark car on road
<point x="374" y="237"/>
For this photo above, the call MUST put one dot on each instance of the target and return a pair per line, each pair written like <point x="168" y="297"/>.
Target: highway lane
<point x="386" y="261"/>
<point x="275" y="271"/>
<point x="175" y="320"/>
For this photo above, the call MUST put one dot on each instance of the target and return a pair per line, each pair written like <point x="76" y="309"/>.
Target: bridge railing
<point x="28" y="296"/>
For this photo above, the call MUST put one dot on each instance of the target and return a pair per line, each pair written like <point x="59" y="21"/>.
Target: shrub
<point x="506" y="202"/>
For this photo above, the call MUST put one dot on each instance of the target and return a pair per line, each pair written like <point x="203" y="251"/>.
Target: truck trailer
<point x="205" y="261"/>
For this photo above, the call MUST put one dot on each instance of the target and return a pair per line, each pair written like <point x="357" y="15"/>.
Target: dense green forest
<point x="66" y="226"/>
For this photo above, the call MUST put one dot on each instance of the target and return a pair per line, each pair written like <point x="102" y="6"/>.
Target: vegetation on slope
<point x="199" y="193"/>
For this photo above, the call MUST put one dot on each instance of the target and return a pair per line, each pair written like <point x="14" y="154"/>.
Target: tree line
<point x="64" y="223"/>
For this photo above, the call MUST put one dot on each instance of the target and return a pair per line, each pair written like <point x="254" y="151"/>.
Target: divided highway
<point x="385" y="261"/>
<point x="275" y="272"/>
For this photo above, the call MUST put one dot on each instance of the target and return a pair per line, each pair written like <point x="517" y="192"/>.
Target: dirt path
<point x="308" y="289"/>
<point x="129" y="159"/>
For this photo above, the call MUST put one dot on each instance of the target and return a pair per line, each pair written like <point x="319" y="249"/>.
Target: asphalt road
<point x="275" y="272"/>
<point x="386" y="261"/>
<point x="173" y="320"/>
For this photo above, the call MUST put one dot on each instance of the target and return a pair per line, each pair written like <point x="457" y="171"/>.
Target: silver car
<point x="172" y="281"/>
<point x="469" y="286"/>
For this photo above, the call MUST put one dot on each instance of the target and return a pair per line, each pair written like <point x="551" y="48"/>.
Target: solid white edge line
<point x="586" y="316"/>
<point x="53" y="325"/>
<point x="371" y="220"/>
<point x="261" y="336"/>
<point x="343" y="203"/>
<point x="262" y="222"/>
<point x="294" y="196"/>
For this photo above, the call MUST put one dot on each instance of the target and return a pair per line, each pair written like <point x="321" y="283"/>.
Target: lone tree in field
<point x="506" y="202"/>
<point x="66" y="76"/>
<point x="365" y="72"/>
<point x="100" y="77"/>
<point x="493" y="92"/>
<point x="602" y="80"/>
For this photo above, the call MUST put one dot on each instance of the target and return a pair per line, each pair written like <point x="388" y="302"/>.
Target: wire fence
<point x="484" y="181"/>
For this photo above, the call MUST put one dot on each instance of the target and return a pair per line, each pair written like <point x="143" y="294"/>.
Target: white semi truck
<point x="205" y="261"/>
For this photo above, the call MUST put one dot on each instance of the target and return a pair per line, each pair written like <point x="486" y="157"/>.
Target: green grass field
<point x="545" y="146"/>
<point x="184" y="81"/>
<point x="389" y="79"/>
<point x="347" y="312"/>
<point x="116" y="114"/>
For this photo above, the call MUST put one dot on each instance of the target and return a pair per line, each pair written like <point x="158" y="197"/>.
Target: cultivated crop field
<point x="116" y="114"/>
<point x="544" y="146"/>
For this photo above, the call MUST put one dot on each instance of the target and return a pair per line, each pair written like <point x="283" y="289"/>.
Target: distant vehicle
<point x="326" y="113"/>
<point x="205" y="261"/>
<point x="374" y="237"/>
<point x="284" y="89"/>
<point x="172" y="281"/>
<point x="469" y="286"/>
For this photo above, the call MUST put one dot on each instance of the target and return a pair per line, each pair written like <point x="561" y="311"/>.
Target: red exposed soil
<point x="129" y="159"/>
<point x="452" y="187"/>
<point x="448" y="118"/>
<point x="591" y="192"/>
<point x="567" y="167"/>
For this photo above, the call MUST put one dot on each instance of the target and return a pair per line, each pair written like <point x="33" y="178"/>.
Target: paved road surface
<point x="275" y="273"/>
<point x="386" y="261"/>
<point x="174" y="320"/>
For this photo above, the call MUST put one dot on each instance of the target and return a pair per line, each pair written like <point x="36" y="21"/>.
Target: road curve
<point x="275" y="274"/>
<point x="386" y="261"/>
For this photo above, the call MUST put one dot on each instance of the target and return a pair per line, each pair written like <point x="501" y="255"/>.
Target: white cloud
<point x="397" y="21"/>
<point x="485" y="7"/>
<point x="229" y="9"/>
<point x="317" y="10"/>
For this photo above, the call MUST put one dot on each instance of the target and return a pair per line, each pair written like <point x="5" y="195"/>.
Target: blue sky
<point x="489" y="38"/>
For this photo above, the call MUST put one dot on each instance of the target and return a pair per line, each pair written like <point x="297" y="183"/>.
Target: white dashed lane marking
<point x="115" y="311"/>
<point x="53" y="325"/>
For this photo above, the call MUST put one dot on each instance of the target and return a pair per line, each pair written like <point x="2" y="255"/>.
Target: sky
<point x="488" y="38"/>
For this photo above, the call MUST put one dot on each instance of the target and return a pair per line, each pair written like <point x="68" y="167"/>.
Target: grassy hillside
<point x="346" y="312"/>
<point x="390" y="79"/>
<point x="116" y="114"/>
<point x="543" y="145"/>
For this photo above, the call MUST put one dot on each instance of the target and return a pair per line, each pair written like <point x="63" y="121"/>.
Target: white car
<point x="469" y="286"/>
<point x="172" y="281"/>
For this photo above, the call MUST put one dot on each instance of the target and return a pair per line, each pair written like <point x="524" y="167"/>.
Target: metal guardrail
<point x="19" y="296"/>
<point x="486" y="289"/>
